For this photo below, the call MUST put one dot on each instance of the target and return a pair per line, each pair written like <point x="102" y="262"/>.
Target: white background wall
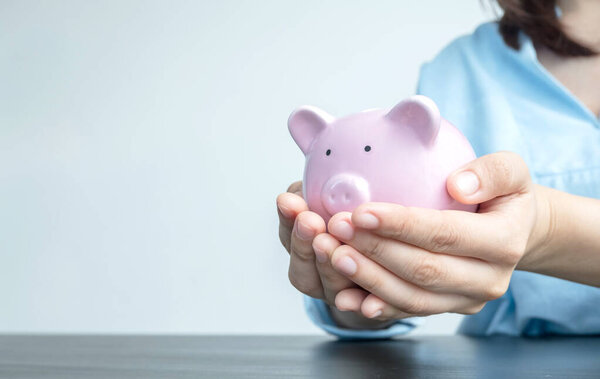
<point x="142" y="145"/>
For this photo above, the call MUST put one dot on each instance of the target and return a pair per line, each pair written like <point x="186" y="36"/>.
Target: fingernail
<point x="320" y="254"/>
<point x="467" y="182"/>
<point x="342" y="229"/>
<point x="286" y="212"/>
<point x="366" y="220"/>
<point x="346" y="265"/>
<point x="304" y="232"/>
<point x="376" y="314"/>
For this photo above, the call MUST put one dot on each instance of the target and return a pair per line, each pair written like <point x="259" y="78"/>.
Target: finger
<point x="373" y="307"/>
<point x="303" y="272"/>
<point x="488" y="177"/>
<point x="405" y="296"/>
<point x="347" y="311"/>
<point x="436" y="272"/>
<point x="350" y="299"/>
<point x="296" y="188"/>
<point x="482" y="236"/>
<point x="288" y="207"/>
<point x="333" y="282"/>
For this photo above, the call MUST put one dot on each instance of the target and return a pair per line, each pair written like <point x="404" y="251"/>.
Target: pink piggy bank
<point x="402" y="155"/>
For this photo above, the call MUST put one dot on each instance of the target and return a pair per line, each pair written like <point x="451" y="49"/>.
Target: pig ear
<point x="305" y="123"/>
<point x="420" y="114"/>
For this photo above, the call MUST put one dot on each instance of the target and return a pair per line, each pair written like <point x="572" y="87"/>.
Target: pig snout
<point x="344" y="192"/>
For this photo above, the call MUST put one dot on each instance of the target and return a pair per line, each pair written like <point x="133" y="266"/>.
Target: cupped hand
<point x="415" y="261"/>
<point x="311" y="271"/>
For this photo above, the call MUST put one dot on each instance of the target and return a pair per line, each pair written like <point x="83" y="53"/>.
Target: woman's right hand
<point x="310" y="269"/>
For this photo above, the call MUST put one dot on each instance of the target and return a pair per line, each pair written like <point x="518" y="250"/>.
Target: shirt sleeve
<point x="319" y="314"/>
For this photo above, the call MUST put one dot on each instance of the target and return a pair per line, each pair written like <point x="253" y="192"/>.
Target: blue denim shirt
<point x="503" y="99"/>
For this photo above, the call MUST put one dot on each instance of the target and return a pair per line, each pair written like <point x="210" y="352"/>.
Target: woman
<point x="526" y="93"/>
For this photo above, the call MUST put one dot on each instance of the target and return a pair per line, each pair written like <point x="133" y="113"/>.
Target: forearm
<point x="567" y="244"/>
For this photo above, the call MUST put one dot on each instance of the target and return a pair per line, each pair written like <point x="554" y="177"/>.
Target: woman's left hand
<point x="416" y="262"/>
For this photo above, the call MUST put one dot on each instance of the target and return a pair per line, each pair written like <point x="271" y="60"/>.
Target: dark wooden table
<point x="56" y="356"/>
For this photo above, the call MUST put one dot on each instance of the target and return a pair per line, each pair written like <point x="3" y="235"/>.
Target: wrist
<point x="543" y="231"/>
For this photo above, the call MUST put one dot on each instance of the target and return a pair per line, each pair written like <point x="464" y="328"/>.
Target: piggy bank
<point x="402" y="155"/>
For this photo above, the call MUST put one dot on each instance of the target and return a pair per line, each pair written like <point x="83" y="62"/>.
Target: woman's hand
<point x="311" y="273"/>
<point x="415" y="261"/>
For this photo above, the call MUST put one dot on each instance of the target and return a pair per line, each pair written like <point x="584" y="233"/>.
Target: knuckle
<point x="506" y="229"/>
<point x="329" y="277"/>
<point x="376" y="249"/>
<point x="303" y="216"/>
<point x="429" y="272"/>
<point x="514" y="158"/>
<point x="510" y="167"/>
<point x="444" y="237"/>
<point x="401" y="225"/>
<point x="496" y="291"/>
<point x="417" y="305"/>
<point x="502" y="167"/>
<point x="303" y="254"/>
<point x="371" y="283"/>
<point x="473" y="309"/>
<point x="512" y="253"/>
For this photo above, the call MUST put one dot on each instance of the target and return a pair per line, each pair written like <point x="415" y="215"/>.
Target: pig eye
<point x="328" y="152"/>
<point x="367" y="148"/>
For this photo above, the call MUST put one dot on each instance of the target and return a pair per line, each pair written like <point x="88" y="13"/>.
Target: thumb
<point x="488" y="177"/>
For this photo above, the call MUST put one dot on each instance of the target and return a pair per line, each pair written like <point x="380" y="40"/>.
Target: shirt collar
<point x="528" y="53"/>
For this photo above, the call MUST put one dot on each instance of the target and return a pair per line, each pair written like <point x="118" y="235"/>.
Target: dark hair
<point x="538" y="19"/>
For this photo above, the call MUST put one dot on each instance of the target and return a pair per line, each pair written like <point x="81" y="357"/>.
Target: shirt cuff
<point x="319" y="314"/>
